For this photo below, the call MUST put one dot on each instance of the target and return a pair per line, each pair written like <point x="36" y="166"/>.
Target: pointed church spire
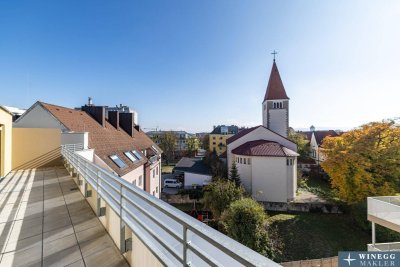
<point x="275" y="88"/>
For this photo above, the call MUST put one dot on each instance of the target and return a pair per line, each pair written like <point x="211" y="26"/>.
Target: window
<point x="213" y="137"/>
<point x="244" y="161"/>
<point x="249" y="161"/>
<point x="140" y="180"/>
<point x="220" y="138"/>
<point x="157" y="170"/>
<point x="118" y="161"/>
<point x="214" y="143"/>
<point x="134" y="182"/>
<point x="240" y="160"/>
<point x="154" y="173"/>
<point x="154" y="193"/>
<point x="157" y="189"/>
<point x="130" y="156"/>
<point x="136" y="154"/>
<point x="289" y="162"/>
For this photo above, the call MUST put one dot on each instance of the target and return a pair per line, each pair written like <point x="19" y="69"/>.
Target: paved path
<point x="45" y="221"/>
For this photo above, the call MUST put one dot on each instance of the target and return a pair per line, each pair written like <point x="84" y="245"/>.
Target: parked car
<point x="172" y="183"/>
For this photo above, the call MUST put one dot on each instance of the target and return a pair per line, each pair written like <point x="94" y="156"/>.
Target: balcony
<point x="107" y="221"/>
<point x="384" y="211"/>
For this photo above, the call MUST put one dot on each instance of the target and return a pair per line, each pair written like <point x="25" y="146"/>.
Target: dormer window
<point x="120" y="163"/>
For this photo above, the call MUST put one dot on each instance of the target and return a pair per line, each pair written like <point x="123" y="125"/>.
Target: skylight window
<point x="118" y="161"/>
<point x="130" y="156"/>
<point x="136" y="154"/>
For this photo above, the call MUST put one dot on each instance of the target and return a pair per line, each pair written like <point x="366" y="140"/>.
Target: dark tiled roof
<point x="194" y="165"/>
<point x="106" y="140"/>
<point x="231" y="129"/>
<point x="320" y="135"/>
<point x="275" y="88"/>
<point x="263" y="148"/>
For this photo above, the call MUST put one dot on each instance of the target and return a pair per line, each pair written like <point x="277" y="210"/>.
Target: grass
<point x="320" y="187"/>
<point x="312" y="235"/>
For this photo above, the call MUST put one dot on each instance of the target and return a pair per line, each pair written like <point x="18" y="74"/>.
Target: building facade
<point x="5" y="141"/>
<point x="266" y="160"/>
<point x="218" y="137"/>
<point x="114" y="143"/>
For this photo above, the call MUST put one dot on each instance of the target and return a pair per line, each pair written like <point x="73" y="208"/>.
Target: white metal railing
<point x="385" y="208"/>
<point x="175" y="238"/>
<point x="394" y="246"/>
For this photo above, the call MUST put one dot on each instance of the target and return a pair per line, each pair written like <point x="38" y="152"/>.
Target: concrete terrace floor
<point x="45" y="221"/>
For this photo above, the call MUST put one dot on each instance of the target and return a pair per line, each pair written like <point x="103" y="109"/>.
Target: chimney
<point x="90" y="102"/>
<point x="137" y="127"/>
<point x="98" y="113"/>
<point x="126" y="122"/>
<point x="113" y="118"/>
<point x="312" y="128"/>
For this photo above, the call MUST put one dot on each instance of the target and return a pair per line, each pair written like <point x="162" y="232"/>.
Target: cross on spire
<point x="274" y="53"/>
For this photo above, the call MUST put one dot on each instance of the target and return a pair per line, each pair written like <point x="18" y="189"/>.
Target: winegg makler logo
<point x="369" y="259"/>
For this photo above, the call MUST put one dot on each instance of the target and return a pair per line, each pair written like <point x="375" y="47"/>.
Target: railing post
<point x="121" y="223"/>
<point x="373" y="234"/>
<point x="185" y="243"/>
<point x="98" y="195"/>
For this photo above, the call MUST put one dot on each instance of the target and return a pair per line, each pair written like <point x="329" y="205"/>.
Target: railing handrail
<point x="228" y="246"/>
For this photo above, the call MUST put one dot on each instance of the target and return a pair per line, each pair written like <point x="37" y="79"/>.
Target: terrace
<point x="384" y="211"/>
<point x="83" y="215"/>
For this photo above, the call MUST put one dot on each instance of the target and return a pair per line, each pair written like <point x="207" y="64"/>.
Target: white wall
<point x="38" y="117"/>
<point x="278" y="121"/>
<point x="194" y="178"/>
<point x="269" y="179"/>
<point x="75" y="138"/>
<point x="134" y="175"/>
<point x="87" y="154"/>
<point x="245" y="172"/>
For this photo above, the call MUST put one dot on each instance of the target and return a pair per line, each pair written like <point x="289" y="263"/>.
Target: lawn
<point x="320" y="187"/>
<point x="312" y="235"/>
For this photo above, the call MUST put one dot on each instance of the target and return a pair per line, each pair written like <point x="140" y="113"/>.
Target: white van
<point x="172" y="183"/>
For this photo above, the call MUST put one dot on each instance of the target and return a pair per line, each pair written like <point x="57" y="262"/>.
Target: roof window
<point x="136" y="154"/>
<point x="130" y="156"/>
<point x="120" y="163"/>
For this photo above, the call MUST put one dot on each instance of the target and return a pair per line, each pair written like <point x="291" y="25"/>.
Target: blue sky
<point x="189" y="65"/>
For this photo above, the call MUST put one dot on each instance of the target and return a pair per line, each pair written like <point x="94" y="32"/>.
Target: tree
<point x="245" y="221"/>
<point x="301" y="142"/>
<point x="234" y="175"/>
<point x="192" y="145"/>
<point x="364" y="162"/>
<point x="217" y="166"/>
<point x="205" y="142"/>
<point x="168" y="145"/>
<point x="220" y="194"/>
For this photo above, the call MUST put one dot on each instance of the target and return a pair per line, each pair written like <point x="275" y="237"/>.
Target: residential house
<point x="181" y="139"/>
<point x="15" y="112"/>
<point x="317" y="139"/>
<point x="194" y="171"/>
<point x="115" y="142"/>
<point x="266" y="159"/>
<point x="218" y="137"/>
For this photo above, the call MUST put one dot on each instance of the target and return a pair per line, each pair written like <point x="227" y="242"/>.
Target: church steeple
<point x="275" y="88"/>
<point x="276" y="104"/>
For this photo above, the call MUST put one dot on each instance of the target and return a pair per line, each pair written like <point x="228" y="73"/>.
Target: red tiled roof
<point x="320" y="135"/>
<point x="263" y="148"/>
<point x="275" y="88"/>
<point x="106" y="140"/>
<point x="307" y="135"/>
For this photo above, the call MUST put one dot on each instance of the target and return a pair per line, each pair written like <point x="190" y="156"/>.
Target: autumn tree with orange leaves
<point x="364" y="162"/>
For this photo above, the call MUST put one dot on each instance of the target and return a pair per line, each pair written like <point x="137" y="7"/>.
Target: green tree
<point x="205" y="142"/>
<point x="301" y="142"/>
<point x="220" y="194"/>
<point x="192" y="145"/>
<point x="364" y="162"/>
<point x="217" y="166"/>
<point x="168" y="145"/>
<point x="234" y="175"/>
<point x="245" y="221"/>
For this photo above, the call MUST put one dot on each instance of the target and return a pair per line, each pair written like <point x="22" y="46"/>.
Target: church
<point x="265" y="158"/>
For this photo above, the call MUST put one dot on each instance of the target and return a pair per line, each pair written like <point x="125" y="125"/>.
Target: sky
<point x="189" y="65"/>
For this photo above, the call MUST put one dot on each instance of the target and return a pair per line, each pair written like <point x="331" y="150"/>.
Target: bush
<point x="220" y="194"/>
<point x="193" y="193"/>
<point x="244" y="221"/>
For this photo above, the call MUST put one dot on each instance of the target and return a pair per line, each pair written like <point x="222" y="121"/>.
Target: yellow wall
<point x="35" y="147"/>
<point x="217" y="139"/>
<point x="5" y="142"/>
